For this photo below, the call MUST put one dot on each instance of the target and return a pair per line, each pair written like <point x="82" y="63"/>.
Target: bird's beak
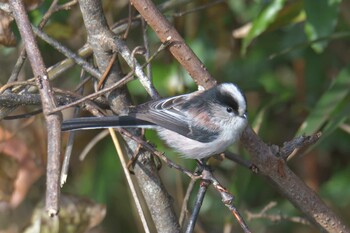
<point x="245" y="116"/>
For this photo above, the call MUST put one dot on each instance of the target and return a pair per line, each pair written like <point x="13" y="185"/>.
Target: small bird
<point x="197" y="125"/>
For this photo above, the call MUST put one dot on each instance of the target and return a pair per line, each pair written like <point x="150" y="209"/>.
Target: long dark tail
<point x="103" y="122"/>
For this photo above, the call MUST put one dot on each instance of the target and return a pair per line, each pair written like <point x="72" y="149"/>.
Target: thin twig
<point x="92" y="143"/>
<point x="202" y="7"/>
<point x="24" y="115"/>
<point x="67" y="154"/>
<point x="48" y="14"/>
<point x="238" y="159"/>
<point x="108" y="69"/>
<point x="291" y="148"/>
<point x="275" y="217"/>
<point x="18" y="66"/>
<point x="66" y="6"/>
<point x="133" y="159"/>
<point x="184" y="207"/>
<point x="69" y="147"/>
<point x="226" y="197"/>
<point x="120" y="83"/>
<point x="121" y="47"/>
<point x="82" y="83"/>
<point x="16" y="83"/>
<point x="121" y="152"/>
<point x="130" y="10"/>
<point x="68" y="53"/>
<point x="198" y="204"/>
<point x="239" y="218"/>
<point x="146" y="45"/>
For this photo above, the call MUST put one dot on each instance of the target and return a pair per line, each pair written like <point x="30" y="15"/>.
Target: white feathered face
<point x="231" y="96"/>
<point x="229" y="109"/>
<point x="226" y="95"/>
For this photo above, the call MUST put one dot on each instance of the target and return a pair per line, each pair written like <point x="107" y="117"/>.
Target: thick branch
<point x="11" y="100"/>
<point x="291" y="186"/>
<point x="304" y="199"/>
<point x="157" y="199"/>
<point x="167" y="33"/>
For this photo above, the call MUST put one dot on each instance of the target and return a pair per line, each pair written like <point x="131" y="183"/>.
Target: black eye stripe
<point x="213" y="95"/>
<point x="228" y="100"/>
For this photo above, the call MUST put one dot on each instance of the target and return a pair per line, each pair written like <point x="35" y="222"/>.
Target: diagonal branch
<point x="263" y="157"/>
<point x="179" y="49"/>
<point x="290" y="185"/>
<point x="53" y="121"/>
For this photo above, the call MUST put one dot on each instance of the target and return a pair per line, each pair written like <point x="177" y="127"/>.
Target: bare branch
<point x="116" y="85"/>
<point x="102" y="40"/>
<point x="53" y="121"/>
<point x="238" y="159"/>
<point x="118" y="143"/>
<point x="167" y="33"/>
<point x="85" y="65"/>
<point x="275" y="217"/>
<point x="184" y="208"/>
<point x="197" y="206"/>
<point x="120" y="46"/>
<point x="69" y="147"/>
<point x="11" y="100"/>
<point x="103" y="134"/>
<point x="291" y="186"/>
<point x="291" y="148"/>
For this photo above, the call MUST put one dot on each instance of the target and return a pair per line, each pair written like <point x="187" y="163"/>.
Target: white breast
<point x="193" y="149"/>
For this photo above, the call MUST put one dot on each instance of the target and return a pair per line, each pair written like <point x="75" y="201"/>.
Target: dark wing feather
<point x="170" y="114"/>
<point x="166" y="113"/>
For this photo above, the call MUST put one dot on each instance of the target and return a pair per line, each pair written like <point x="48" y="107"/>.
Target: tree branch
<point x="48" y="102"/>
<point x="167" y="33"/>
<point x="290" y="185"/>
<point x="99" y="38"/>
<point x="268" y="164"/>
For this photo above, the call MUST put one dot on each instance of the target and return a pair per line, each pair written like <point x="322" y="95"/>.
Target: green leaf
<point x="337" y="119"/>
<point x="291" y="13"/>
<point x="334" y="122"/>
<point x="328" y="102"/>
<point x="321" y="19"/>
<point x="260" y="24"/>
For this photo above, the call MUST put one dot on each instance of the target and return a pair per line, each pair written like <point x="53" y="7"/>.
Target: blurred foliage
<point x="292" y="62"/>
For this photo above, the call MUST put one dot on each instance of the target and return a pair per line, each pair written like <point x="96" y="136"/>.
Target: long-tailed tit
<point x="197" y="125"/>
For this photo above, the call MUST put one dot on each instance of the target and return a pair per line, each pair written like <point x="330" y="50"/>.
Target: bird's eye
<point x="229" y="109"/>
